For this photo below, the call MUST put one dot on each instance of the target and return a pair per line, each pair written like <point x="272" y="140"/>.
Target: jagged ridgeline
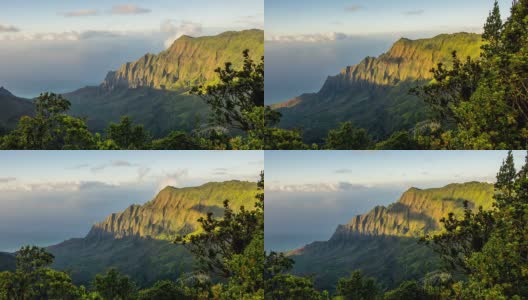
<point x="188" y="62"/>
<point x="374" y="94"/>
<point x="153" y="90"/>
<point x="384" y="242"/>
<point x="138" y="241"/>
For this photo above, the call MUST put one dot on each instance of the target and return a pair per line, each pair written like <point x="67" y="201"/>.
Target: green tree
<point x="51" y="128"/>
<point x="408" y="290"/>
<point x="491" y="248"/>
<point x="238" y="92"/>
<point x="114" y="286"/>
<point x="126" y="135"/>
<point x="347" y="137"/>
<point x="483" y="104"/>
<point x="400" y="140"/>
<point x="163" y="290"/>
<point x="358" y="287"/>
<point x="176" y="140"/>
<point x="33" y="279"/>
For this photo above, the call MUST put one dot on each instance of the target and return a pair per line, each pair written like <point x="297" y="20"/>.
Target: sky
<point x="308" y="193"/>
<point x="47" y="197"/>
<point x="308" y="40"/>
<point x="62" y="45"/>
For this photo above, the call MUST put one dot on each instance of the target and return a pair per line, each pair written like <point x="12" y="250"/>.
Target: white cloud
<point x="316" y="187"/>
<point x="142" y="172"/>
<point x="7" y="28"/>
<point x="114" y="163"/>
<point x="174" y="179"/>
<point x="414" y="12"/>
<point x="59" y="36"/>
<point x="7" y="179"/>
<point x="176" y="30"/>
<point x="353" y="8"/>
<point x="309" y="38"/>
<point x="73" y="186"/>
<point x="81" y="13"/>
<point x="129" y="9"/>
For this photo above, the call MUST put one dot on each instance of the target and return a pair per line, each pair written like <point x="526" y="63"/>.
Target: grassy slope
<point x="375" y="93"/>
<point x="380" y="247"/>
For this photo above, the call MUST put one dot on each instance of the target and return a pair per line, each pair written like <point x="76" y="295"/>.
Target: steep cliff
<point x="417" y="212"/>
<point x="153" y="90"/>
<point x="374" y="94"/>
<point x="384" y="242"/>
<point x="138" y="241"/>
<point x="174" y="211"/>
<point x="188" y="62"/>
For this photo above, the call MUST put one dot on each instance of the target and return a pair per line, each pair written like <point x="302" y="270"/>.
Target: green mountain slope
<point x="383" y="242"/>
<point x="188" y="62"/>
<point x="12" y="108"/>
<point x="374" y="94"/>
<point x="137" y="241"/>
<point x="154" y="89"/>
<point x="175" y="211"/>
<point x="7" y="262"/>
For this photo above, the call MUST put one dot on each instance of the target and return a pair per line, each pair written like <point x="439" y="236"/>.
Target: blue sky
<point x="47" y="197"/>
<point x="301" y="17"/>
<point x="308" y="193"/>
<point x="80" y="15"/>
<point x="381" y="168"/>
<point x="61" y="46"/>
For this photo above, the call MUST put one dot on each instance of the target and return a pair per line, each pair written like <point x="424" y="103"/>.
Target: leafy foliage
<point x="490" y="247"/>
<point x="481" y="104"/>
<point x="114" y="285"/>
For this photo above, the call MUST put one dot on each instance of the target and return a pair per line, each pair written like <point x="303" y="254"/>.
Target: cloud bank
<point x="353" y="8"/>
<point x="309" y="38"/>
<point x="81" y="13"/>
<point x="7" y="28"/>
<point x="128" y="9"/>
<point x="316" y="187"/>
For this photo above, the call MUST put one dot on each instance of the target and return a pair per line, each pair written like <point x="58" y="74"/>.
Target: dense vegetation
<point x="236" y="100"/>
<point x="484" y="253"/>
<point x="473" y="103"/>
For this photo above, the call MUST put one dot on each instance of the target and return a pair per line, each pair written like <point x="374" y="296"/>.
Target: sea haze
<point x="50" y="217"/>
<point x="294" y="219"/>
<point x="28" y="68"/>
<point x="295" y="68"/>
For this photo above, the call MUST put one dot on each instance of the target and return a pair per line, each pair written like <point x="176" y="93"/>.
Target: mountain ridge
<point x="174" y="211"/>
<point x="374" y="94"/>
<point x="384" y="241"/>
<point x="139" y="240"/>
<point x="189" y="61"/>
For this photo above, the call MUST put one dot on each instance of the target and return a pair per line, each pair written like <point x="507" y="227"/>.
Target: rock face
<point x="374" y="94"/>
<point x="417" y="212"/>
<point x="188" y="62"/>
<point x="153" y="90"/>
<point x="384" y="242"/>
<point x="406" y="60"/>
<point x="174" y="211"/>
